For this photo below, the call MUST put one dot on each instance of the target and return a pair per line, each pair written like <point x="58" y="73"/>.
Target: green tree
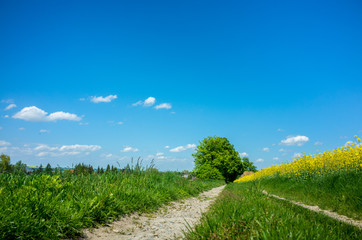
<point x="248" y="166"/>
<point x="5" y="166"/>
<point x="48" y="169"/>
<point x="216" y="158"/>
<point x="19" y="168"/>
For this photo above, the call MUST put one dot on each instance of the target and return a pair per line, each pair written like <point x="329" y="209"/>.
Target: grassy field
<point x="60" y="205"/>
<point x="332" y="180"/>
<point x="243" y="212"/>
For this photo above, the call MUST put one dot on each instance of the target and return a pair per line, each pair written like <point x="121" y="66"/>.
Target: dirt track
<point x="168" y="222"/>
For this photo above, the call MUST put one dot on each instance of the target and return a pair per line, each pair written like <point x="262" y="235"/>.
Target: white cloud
<point x="10" y="106"/>
<point x="34" y="114"/>
<point x="3" y="149"/>
<point x="119" y="123"/>
<point x="259" y="160"/>
<point x="243" y="154"/>
<point x="318" y="143"/>
<point x="81" y="99"/>
<point x="6" y="116"/>
<point x="21" y="129"/>
<point x="4" y="143"/>
<point x="65" y="150"/>
<point x="182" y="148"/>
<point x="42" y="154"/>
<point x="297" y="155"/>
<point x="146" y="103"/>
<point x="149" y="101"/>
<point x="129" y="149"/>
<point x="275" y="158"/>
<point x="163" y="106"/>
<point x="85" y="123"/>
<point x="159" y="154"/>
<point x="167" y="147"/>
<point x="266" y="149"/>
<point x="44" y="147"/>
<point x="44" y="131"/>
<point x="78" y="147"/>
<point x="280" y="130"/>
<point x="295" y="141"/>
<point x="107" y="99"/>
<point x="137" y="103"/>
<point x="63" y="116"/>
<point x="109" y="155"/>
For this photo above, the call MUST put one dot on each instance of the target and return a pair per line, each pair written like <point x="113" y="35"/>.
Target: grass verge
<point x="61" y="205"/>
<point x="243" y="212"/>
<point x="339" y="192"/>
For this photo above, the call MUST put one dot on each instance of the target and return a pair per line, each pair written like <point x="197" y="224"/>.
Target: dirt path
<point x="168" y="222"/>
<point x="334" y="215"/>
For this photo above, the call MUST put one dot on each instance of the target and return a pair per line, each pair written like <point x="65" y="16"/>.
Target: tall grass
<point x="243" y="212"/>
<point x="61" y="205"/>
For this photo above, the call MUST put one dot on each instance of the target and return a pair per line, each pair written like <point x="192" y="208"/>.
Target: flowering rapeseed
<point x="342" y="159"/>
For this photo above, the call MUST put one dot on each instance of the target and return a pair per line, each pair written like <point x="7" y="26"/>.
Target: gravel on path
<point x="169" y="222"/>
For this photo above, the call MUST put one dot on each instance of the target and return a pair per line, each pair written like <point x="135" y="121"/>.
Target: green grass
<point x="338" y="192"/>
<point x="243" y="212"/>
<point x="60" y="206"/>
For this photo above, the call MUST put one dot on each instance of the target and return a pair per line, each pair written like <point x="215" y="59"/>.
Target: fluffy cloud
<point x="163" y="106"/>
<point x="147" y="103"/>
<point x="107" y="99"/>
<point x="129" y="149"/>
<point x="4" y="143"/>
<point x="167" y="147"/>
<point x="65" y="150"/>
<point x="10" y="106"/>
<point x="266" y="149"/>
<point x="295" y="141"/>
<point x="44" y="131"/>
<point x="275" y="158"/>
<point x="21" y="129"/>
<point x="78" y="147"/>
<point x="44" y="147"/>
<point x="182" y="148"/>
<point x="259" y="160"/>
<point x="243" y="154"/>
<point x="34" y="114"/>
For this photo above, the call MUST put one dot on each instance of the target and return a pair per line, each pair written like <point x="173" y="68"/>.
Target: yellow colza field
<point x="342" y="159"/>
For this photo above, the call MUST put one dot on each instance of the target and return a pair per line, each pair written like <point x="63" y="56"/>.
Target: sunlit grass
<point x="61" y="205"/>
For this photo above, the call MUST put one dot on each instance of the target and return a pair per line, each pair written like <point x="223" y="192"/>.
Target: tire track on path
<point x="345" y="219"/>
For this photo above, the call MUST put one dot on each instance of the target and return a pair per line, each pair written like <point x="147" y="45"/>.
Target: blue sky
<point x="100" y="82"/>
